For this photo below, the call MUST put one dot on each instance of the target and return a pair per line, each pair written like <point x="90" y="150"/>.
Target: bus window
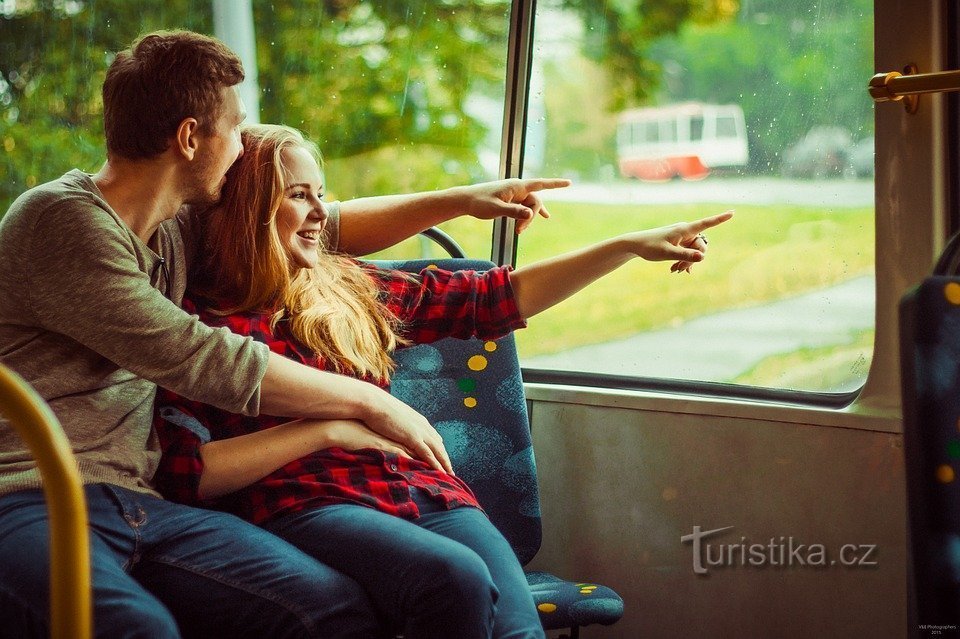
<point x="696" y="128"/>
<point x="785" y="298"/>
<point x="651" y="131"/>
<point x="727" y="127"/>
<point x="398" y="100"/>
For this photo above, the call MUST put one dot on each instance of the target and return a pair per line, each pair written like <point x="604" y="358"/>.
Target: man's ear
<point x="186" y="141"/>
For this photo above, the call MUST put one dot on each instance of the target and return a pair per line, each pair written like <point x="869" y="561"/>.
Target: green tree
<point x="383" y="86"/>
<point x="806" y="65"/>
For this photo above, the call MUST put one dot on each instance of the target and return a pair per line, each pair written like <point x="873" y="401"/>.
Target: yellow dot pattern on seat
<point x="952" y="292"/>
<point x="477" y="363"/>
<point x="945" y="474"/>
<point x="547" y="607"/>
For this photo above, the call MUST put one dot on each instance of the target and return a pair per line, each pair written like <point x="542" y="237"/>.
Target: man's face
<point x="217" y="151"/>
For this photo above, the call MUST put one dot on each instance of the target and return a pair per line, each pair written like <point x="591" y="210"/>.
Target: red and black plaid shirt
<point x="430" y="306"/>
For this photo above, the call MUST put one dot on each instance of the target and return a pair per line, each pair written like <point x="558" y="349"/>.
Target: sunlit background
<point x="660" y="110"/>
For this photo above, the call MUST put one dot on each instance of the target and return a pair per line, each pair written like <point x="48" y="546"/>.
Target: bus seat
<point x="930" y="378"/>
<point x="472" y="391"/>
<point x="71" y="611"/>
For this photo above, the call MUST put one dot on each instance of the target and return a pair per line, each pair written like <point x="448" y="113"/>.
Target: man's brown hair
<point x="162" y="79"/>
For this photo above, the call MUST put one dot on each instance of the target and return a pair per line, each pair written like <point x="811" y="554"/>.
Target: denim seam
<point x="301" y="616"/>
<point x="134" y="525"/>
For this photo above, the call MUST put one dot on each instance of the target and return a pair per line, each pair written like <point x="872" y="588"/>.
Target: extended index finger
<point x="540" y="184"/>
<point x="710" y="222"/>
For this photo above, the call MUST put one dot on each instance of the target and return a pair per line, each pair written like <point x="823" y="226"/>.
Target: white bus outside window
<point x="681" y="140"/>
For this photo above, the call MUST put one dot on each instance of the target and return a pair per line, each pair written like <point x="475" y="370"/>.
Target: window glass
<point x="770" y="103"/>
<point x="400" y="97"/>
<point x="696" y="128"/>
<point x="670" y="128"/>
<point x="726" y="127"/>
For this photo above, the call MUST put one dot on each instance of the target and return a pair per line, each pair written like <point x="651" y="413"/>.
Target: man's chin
<point x="205" y="199"/>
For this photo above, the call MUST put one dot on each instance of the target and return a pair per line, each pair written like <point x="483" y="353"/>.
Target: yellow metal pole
<point x="71" y="613"/>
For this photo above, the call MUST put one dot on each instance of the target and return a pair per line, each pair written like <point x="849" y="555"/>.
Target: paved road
<point x="725" y="191"/>
<point x="724" y="345"/>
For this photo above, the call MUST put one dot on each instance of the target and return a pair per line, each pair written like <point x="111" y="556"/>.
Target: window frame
<point x="504" y="252"/>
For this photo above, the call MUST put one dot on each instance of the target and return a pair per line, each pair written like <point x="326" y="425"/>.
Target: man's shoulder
<point x="69" y="192"/>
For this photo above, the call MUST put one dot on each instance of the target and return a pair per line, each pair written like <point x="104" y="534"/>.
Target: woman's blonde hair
<point x="333" y="308"/>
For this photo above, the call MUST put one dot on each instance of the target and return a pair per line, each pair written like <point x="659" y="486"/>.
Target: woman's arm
<point x="373" y="223"/>
<point x="295" y="390"/>
<point x="235" y="463"/>
<point x="543" y="284"/>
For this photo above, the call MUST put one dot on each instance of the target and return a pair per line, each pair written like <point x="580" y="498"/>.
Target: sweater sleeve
<point x="436" y="303"/>
<point x="89" y="282"/>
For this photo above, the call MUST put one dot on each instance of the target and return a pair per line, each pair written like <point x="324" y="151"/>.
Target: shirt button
<point x="393" y="467"/>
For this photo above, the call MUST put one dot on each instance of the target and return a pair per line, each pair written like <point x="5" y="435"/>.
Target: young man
<point x="94" y="269"/>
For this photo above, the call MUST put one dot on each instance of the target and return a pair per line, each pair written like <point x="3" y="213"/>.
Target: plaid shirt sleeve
<point x="436" y="303"/>
<point x="178" y="423"/>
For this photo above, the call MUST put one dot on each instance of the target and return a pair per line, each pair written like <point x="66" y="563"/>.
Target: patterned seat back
<point x="930" y="375"/>
<point x="472" y="392"/>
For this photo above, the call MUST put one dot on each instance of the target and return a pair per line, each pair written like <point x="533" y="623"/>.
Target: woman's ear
<point x="186" y="141"/>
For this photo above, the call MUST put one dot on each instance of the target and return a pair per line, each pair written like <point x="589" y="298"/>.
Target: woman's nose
<point x="320" y="211"/>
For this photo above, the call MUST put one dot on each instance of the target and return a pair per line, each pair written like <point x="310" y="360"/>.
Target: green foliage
<point x="791" y="66"/>
<point x="364" y="78"/>
<point x="762" y="255"/>
<point x="620" y="32"/>
<point x="53" y="58"/>
<point x="358" y="76"/>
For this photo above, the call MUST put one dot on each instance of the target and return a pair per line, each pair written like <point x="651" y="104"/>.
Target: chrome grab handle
<point x="908" y="86"/>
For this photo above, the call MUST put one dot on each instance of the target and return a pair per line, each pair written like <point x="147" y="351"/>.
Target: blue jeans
<point x="162" y="569"/>
<point x="449" y="573"/>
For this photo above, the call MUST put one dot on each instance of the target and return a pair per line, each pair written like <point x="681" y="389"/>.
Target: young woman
<point x="411" y="533"/>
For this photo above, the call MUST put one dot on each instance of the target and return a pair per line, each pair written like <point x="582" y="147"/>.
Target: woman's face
<point x="301" y="216"/>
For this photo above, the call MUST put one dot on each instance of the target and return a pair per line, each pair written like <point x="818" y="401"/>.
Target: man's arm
<point x="294" y="390"/>
<point x="108" y="305"/>
<point x="371" y="224"/>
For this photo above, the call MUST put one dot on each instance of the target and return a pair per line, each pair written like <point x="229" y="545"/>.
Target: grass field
<point x="763" y="254"/>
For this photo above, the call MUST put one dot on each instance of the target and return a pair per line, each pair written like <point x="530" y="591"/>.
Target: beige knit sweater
<point x="90" y="316"/>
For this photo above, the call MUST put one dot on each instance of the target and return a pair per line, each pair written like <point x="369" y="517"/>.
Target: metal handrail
<point x="71" y="611"/>
<point x="908" y="86"/>
<point x="445" y="241"/>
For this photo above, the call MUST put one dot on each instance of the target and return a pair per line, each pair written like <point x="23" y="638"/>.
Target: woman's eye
<point x="299" y="195"/>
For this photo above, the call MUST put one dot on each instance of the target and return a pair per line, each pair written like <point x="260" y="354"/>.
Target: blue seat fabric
<point x="472" y="392"/>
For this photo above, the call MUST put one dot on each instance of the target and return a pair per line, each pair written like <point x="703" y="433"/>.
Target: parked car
<point x="823" y="152"/>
